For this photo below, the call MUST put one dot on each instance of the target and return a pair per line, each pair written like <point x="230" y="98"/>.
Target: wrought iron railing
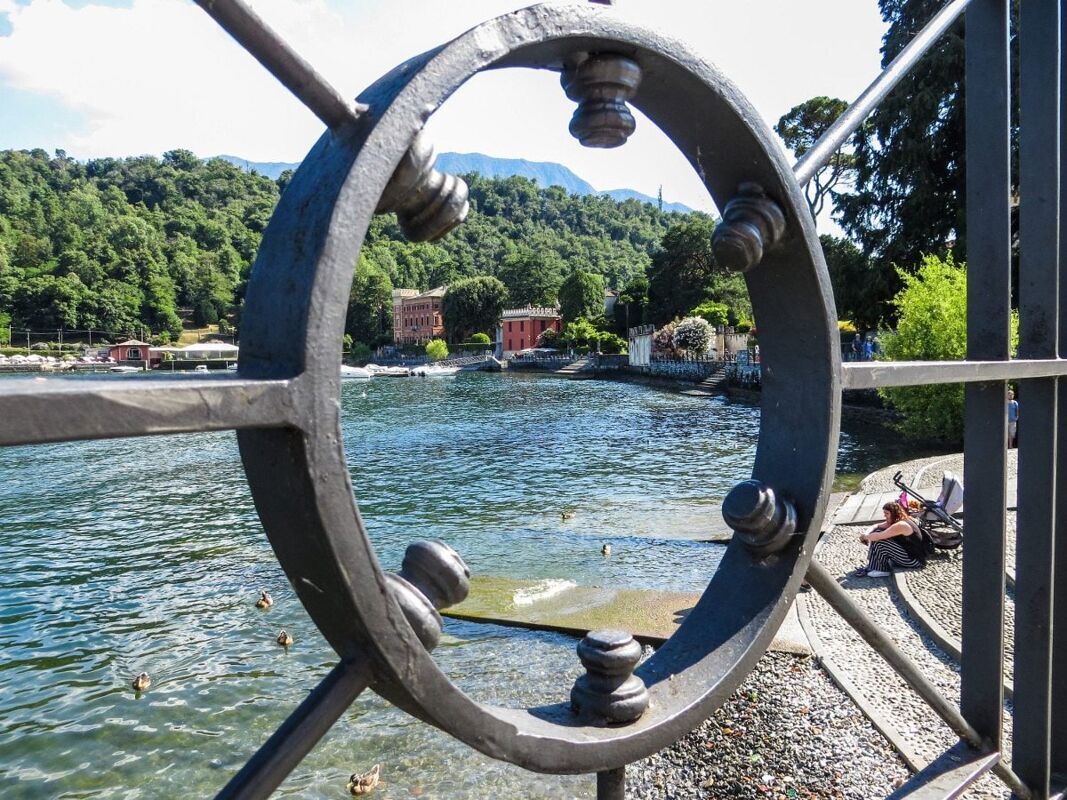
<point x="283" y="400"/>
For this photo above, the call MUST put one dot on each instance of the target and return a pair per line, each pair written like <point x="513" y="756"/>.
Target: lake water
<point x="146" y="554"/>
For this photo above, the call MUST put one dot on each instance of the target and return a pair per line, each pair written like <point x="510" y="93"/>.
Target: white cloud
<point x="162" y="75"/>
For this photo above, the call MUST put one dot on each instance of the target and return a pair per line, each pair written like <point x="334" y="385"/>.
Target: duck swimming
<point x="605" y="550"/>
<point x="566" y="515"/>
<point x="265" y="600"/>
<point x="364" y="782"/>
<point x="142" y="682"/>
<point x="284" y="639"/>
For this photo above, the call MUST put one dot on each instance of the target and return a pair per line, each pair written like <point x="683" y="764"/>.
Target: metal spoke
<point x="300" y="732"/>
<point x="282" y="61"/>
<point x="879" y="374"/>
<point x="58" y="410"/>
<point x="821" y="152"/>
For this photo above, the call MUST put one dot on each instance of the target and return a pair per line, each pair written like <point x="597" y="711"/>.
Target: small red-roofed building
<point x="521" y="327"/>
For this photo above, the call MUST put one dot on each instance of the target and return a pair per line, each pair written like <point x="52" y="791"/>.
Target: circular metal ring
<point x="294" y="319"/>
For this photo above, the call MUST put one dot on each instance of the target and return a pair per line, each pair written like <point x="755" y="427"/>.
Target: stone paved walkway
<point x="900" y="710"/>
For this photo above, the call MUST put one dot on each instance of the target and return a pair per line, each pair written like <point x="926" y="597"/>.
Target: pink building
<point x="521" y="327"/>
<point x="130" y="350"/>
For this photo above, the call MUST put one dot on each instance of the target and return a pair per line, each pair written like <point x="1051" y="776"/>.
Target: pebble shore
<point x="788" y="732"/>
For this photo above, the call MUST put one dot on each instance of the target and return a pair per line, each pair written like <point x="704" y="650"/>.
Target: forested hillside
<point x="113" y="244"/>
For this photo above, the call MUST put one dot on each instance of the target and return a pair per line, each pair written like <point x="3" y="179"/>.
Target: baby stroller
<point x="935" y="519"/>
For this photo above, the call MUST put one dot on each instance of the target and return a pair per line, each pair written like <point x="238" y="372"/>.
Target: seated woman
<point x="893" y="544"/>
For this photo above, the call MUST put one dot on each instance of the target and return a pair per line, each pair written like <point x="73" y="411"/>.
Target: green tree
<point x="581" y="296"/>
<point x="800" y="127"/>
<point x="862" y="290"/>
<point x="370" y="304"/>
<point x="480" y="338"/>
<point x="533" y="277"/>
<point x="633" y="300"/>
<point x="436" y="349"/>
<point x="909" y="156"/>
<point x="931" y="326"/>
<point x="473" y="305"/>
<point x="682" y="271"/>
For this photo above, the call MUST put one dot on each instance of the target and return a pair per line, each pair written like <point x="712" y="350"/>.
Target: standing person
<point x="893" y="544"/>
<point x="868" y="349"/>
<point x="857" y="347"/>
<point x="1013" y="419"/>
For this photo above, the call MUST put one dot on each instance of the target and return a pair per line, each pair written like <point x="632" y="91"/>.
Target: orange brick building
<point x="417" y="316"/>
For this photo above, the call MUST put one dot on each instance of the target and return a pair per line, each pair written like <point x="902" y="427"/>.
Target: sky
<point x="130" y="77"/>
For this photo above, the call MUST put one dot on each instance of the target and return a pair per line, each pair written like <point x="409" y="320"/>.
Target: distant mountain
<point x="543" y="173"/>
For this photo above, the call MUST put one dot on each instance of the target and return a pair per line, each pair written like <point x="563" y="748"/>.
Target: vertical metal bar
<point x="988" y="337"/>
<point x="611" y="784"/>
<point x="1039" y="159"/>
<point x="1058" y="755"/>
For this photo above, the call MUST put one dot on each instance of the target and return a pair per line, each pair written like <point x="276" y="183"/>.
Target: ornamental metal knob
<point x="427" y="203"/>
<point x="761" y="517"/>
<point x="432" y="576"/>
<point x="601" y="85"/>
<point x="751" y="224"/>
<point x="609" y="692"/>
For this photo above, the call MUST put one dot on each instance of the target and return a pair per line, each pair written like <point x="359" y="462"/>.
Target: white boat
<point x="125" y="369"/>
<point x="200" y="368"/>
<point x="387" y="372"/>
<point x="355" y="373"/>
<point x="231" y="367"/>
<point x="434" y="371"/>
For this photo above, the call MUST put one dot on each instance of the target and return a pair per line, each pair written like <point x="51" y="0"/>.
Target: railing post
<point x="1039" y="319"/>
<point x="988" y="330"/>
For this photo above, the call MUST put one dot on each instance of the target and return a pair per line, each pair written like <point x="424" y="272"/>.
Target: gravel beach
<point x="788" y="732"/>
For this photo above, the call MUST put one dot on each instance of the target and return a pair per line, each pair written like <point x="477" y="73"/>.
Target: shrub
<point x="714" y="313"/>
<point x="436" y="349"/>
<point x="480" y="338"/>
<point x="663" y="339"/>
<point x="359" y="351"/>
<point x="846" y="326"/>
<point x="611" y="343"/>
<point x="548" y="338"/>
<point x="931" y="326"/>
<point x="693" y="335"/>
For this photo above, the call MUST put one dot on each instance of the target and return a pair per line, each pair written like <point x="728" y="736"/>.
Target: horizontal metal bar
<point x="823" y="150"/>
<point x="62" y="409"/>
<point x="879" y="374"/>
<point x="299" y="734"/>
<point x="828" y="588"/>
<point x="282" y="61"/>
<point x="949" y="775"/>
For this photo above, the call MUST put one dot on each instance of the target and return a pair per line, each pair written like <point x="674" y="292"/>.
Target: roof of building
<point x="131" y="343"/>
<point x="529" y="311"/>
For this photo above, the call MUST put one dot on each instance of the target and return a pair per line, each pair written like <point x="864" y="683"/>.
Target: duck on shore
<point x="364" y="782"/>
